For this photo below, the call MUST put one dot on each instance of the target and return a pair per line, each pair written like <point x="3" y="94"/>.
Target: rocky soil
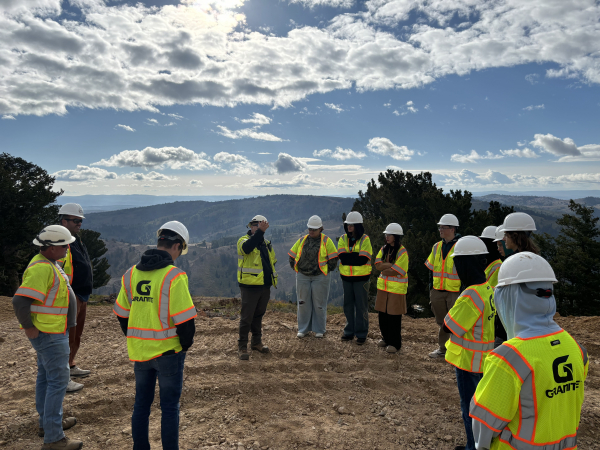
<point x="309" y="393"/>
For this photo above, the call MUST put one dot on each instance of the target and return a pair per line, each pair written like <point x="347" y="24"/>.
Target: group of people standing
<point x="516" y="370"/>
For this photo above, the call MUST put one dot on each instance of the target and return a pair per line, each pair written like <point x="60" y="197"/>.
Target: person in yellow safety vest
<point x="45" y="307"/>
<point x="313" y="257"/>
<point x="444" y="284"/>
<point x="355" y="252"/>
<point x="392" y="285"/>
<point x="532" y="389"/>
<point x="256" y="275"/>
<point x="471" y="322"/>
<point x="156" y="313"/>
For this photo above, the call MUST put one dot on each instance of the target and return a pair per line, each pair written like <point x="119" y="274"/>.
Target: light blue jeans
<point x="51" y="384"/>
<point x="312" y="292"/>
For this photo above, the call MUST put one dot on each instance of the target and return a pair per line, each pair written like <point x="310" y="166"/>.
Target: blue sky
<point x="201" y="97"/>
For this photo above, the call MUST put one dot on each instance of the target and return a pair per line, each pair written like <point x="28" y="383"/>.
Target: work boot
<point x="64" y="444"/>
<point x="391" y="349"/>
<point x="67" y="423"/>
<point x="260" y="348"/>
<point x="381" y="344"/>
<point x="243" y="352"/>
<point x="73" y="386"/>
<point x="77" y="372"/>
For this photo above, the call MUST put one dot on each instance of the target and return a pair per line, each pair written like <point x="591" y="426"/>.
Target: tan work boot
<point x="243" y="352"/>
<point x="260" y="348"/>
<point x="64" y="444"/>
<point x="67" y="423"/>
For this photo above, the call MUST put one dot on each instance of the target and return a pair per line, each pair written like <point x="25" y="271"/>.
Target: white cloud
<point x="236" y="164"/>
<point x="152" y="122"/>
<point x="150" y="157"/>
<point x="396" y="112"/>
<point x="304" y="180"/>
<point x="263" y="153"/>
<point x="339" y="153"/>
<point x="385" y="147"/>
<point x="520" y="153"/>
<point x="170" y="124"/>
<point x="8" y="117"/>
<point x="337" y="108"/>
<point x="258" y="119"/>
<point x="175" y="116"/>
<point x="468" y="179"/>
<point x="248" y="133"/>
<point x="126" y="127"/>
<point x="330" y="3"/>
<point x="84" y="173"/>
<point x="533" y="107"/>
<point x="532" y="78"/>
<point x="287" y="163"/>
<point x="150" y="176"/>
<point x="196" y="183"/>
<point x="566" y="148"/>
<point x="473" y="157"/>
<point x="387" y="105"/>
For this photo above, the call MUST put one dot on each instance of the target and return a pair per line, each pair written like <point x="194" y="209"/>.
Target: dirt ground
<point x="289" y="399"/>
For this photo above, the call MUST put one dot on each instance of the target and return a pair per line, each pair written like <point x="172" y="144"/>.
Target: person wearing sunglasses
<point x="78" y="267"/>
<point x="46" y="310"/>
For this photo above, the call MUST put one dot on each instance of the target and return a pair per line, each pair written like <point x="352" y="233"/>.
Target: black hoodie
<point x="353" y="258"/>
<point x="155" y="259"/>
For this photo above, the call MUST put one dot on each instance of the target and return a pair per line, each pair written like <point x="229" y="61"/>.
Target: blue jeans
<point x="467" y="384"/>
<point x="356" y="308"/>
<point x="169" y="369"/>
<point x="51" y="384"/>
<point x="312" y="292"/>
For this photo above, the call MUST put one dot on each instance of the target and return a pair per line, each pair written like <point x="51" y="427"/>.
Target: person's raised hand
<point x="263" y="225"/>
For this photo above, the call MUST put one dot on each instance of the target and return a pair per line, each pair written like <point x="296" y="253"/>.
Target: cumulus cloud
<point x="152" y="122"/>
<point x="473" y="157"/>
<point x="251" y="133"/>
<point x="339" y="153"/>
<point x="258" y="119"/>
<point x="126" y="127"/>
<point x="330" y="3"/>
<point x="385" y="147"/>
<point x="84" y="173"/>
<point x="566" y="148"/>
<point x="520" y="153"/>
<point x="304" y="180"/>
<point x="236" y="164"/>
<point x="533" y="107"/>
<point x="287" y="163"/>
<point x="468" y="179"/>
<point x="150" y="157"/>
<point x="8" y="117"/>
<point x="337" y="108"/>
<point x="150" y="176"/>
<point x="196" y="183"/>
<point x="175" y="116"/>
<point x="532" y="78"/>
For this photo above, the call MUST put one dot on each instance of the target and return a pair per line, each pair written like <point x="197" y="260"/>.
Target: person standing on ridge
<point x="256" y="275"/>
<point x="156" y="313"/>
<point x="517" y="229"/>
<point x="532" y="389"/>
<point x="471" y="324"/>
<point x="78" y="267"/>
<point x="45" y="308"/>
<point x="444" y="284"/>
<point x="355" y="252"/>
<point x="313" y="257"/>
<point x="392" y="285"/>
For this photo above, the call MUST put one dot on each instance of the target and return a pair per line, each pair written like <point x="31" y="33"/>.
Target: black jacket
<point x="257" y="240"/>
<point x="155" y="259"/>
<point x="83" y="277"/>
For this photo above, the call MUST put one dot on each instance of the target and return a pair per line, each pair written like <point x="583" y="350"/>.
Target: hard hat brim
<point x="39" y="244"/>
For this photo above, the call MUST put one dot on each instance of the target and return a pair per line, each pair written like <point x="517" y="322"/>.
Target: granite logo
<point x="143" y="287"/>
<point x="567" y="369"/>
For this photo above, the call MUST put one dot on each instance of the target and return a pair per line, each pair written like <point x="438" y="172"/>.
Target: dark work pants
<point x="467" y="384"/>
<point x="356" y="308"/>
<point x="391" y="327"/>
<point x="254" y="306"/>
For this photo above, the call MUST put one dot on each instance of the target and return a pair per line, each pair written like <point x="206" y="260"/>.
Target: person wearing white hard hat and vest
<point x="392" y="285"/>
<point x="471" y="324"/>
<point x="256" y="275"/>
<point x="78" y="267"/>
<point x="355" y="252"/>
<point x="156" y="313"/>
<point x="444" y="284"/>
<point x="45" y="307"/>
<point x="532" y="389"/>
<point x="517" y="229"/>
<point x="313" y="257"/>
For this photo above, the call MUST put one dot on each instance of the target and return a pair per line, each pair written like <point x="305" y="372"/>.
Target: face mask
<point x="505" y="308"/>
<point x="507" y="251"/>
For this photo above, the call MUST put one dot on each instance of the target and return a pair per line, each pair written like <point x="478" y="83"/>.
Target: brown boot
<point x="64" y="444"/>
<point x="67" y="423"/>
<point x="243" y="352"/>
<point x="260" y="348"/>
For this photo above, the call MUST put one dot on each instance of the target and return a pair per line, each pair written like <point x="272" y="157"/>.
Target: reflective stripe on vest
<point x="127" y="284"/>
<point x="349" y="271"/>
<point x="568" y="442"/>
<point x="493" y="267"/>
<point x="323" y="255"/>
<point x="47" y="299"/>
<point x="152" y="334"/>
<point x="120" y="311"/>
<point x="57" y="311"/>
<point x="470" y="345"/>
<point x="163" y="311"/>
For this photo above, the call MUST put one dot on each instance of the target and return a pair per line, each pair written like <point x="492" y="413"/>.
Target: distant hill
<point x="550" y="206"/>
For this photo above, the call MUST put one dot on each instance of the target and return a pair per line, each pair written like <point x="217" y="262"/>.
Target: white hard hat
<point x="499" y="233"/>
<point x="53" y="235"/>
<point x="489" y="232"/>
<point x="314" y="222"/>
<point x="394" y="228"/>
<point x="259" y="218"/>
<point x="449" y="219"/>
<point x="519" y="222"/>
<point x="71" y="209"/>
<point x="180" y="229"/>
<point x="470" y="245"/>
<point x="353" y="217"/>
<point x="525" y="267"/>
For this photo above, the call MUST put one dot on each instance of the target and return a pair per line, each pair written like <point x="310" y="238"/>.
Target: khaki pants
<point x="441" y="303"/>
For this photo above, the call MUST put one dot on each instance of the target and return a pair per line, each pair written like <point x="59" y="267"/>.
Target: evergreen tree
<point x="96" y="249"/>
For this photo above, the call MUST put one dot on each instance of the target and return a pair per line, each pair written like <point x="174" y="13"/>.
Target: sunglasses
<point x="254" y="224"/>
<point x="313" y="229"/>
<point x="444" y="228"/>
<point x="75" y="221"/>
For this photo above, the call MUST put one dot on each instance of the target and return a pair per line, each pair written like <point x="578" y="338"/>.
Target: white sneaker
<point x="77" y="372"/>
<point x="300" y="335"/>
<point x="74" y="387"/>
<point x="318" y="335"/>
<point x="437" y="354"/>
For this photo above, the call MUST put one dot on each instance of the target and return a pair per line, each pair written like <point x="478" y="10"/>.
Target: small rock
<point x="11" y="363"/>
<point x="115" y="346"/>
<point x="447" y="438"/>
<point x="126" y="431"/>
<point x="95" y="323"/>
<point x="253" y="420"/>
<point x="1" y="340"/>
<point x="20" y="348"/>
<point x="342" y="410"/>
<point x="256" y="445"/>
<point x="202" y="420"/>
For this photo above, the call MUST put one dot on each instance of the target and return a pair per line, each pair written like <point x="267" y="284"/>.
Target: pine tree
<point x="96" y="248"/>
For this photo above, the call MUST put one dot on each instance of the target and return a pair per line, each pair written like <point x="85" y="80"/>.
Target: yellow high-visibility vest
<point x="395" y="284"/>
<point x="49" y="288"/>
<point x="445" y="277"/>
<point x="67" y="265"/>
<point x="531" y="393"/>
<point x="327" y="251"/>
<point x="155" y="302"/>
<point x="363" y="248"/>
<point x="250" y="269"/>
<point x="491" y="273"/>
<point x="471" y="321"/>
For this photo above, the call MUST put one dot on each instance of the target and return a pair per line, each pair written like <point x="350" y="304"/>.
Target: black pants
<point x="254" y="306"/>
<point x="391" y="327"/>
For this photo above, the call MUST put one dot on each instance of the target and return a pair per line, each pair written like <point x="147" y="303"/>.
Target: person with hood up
<point x="517" y="229"/>
<point x="156" y="313"/>
<point x="471" y="324"/>
<point x="392" y="285"/>
<point x="355" y="252"/>
<point x="532" y="389"/>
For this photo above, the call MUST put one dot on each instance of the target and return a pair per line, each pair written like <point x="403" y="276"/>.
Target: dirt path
<point x="286" y="400"/>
